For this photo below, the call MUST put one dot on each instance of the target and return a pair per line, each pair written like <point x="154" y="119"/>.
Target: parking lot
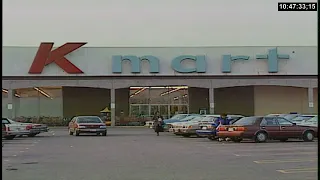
<point x="138" y="154"/>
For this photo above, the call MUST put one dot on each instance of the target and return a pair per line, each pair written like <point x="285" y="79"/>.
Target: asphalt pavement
<point x="138" y="154"/>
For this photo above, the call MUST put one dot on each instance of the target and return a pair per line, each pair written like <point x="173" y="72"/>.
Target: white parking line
<point x="272" y="161"/>
<point x="276" y="154"/>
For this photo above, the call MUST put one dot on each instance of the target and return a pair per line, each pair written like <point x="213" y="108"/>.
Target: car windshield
<point x="301" y="118"/>
<point x="209" y="118"/>
<point x="196" y="119"/>
<point x="89" y="120"/>
<point x="179" y="116"/>
<point x="246" y="121"/>
<point x="189" y="118"/>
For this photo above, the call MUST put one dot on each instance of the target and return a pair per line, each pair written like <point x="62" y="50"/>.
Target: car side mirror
<point x="294" y="124"/>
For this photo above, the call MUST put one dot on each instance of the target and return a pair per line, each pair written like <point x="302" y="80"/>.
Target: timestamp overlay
<point x="297" y="6"/>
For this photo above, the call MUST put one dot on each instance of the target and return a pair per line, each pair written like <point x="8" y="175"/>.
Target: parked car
<point x="177" y="118"/>
<point x="189" y="128"/>
<point x="286" y="116"/>
<point x="209" y="130"/>
<point x="11" y="129"/>
<point x="301" y="118"/>
<point x="260" y="129"/>
<point x="87" y="125"/>
<point x="310" y="122"/>
<point x="184" y="120"/>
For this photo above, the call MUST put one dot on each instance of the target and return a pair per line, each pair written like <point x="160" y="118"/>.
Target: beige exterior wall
<point x="234" y="100"/>
<point x="282" y="99"/>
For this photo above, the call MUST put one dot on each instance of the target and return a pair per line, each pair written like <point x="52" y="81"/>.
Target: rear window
<point x="246" y="121"/>
<point x="89" y="120"/>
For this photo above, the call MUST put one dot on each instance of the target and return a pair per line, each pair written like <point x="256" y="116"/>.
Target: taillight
<point x="222" y="128"/>
<point x="28" y="127"/>
<point x="240" y="129"/>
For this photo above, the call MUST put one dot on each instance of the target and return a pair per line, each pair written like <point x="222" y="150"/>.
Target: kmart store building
<point x="64" y="81"/>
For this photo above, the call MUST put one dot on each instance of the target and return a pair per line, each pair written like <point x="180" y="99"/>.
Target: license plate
<point x="204" y="127"/>
<point x="93" y="130"/>
<point x="230" y="129"/>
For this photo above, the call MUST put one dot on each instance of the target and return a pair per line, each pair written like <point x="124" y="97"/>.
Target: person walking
<point x="158" y="121"/>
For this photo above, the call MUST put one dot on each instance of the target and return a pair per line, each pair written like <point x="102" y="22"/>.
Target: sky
<point x="156" y="23"/>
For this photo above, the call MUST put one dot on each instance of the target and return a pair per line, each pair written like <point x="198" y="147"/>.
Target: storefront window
<point x="169" y="100"/>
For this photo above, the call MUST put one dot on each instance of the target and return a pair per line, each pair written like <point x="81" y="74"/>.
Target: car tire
<point x="261" y="137"/>
<point x="32" y="135"/>
<point x="211" y="138"/>
<point x="308" y="136"/>
<point x="77" y="133"/>
<point x="237" y="140"/>
<point x="104" y="134"/>
<point x="70" y="132"/>
<point x="10" y="137"/>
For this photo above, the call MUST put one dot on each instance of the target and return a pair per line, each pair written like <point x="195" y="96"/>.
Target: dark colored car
<point x="260" y="129"/>
<point x="210" y="131"/>
<point x="87" y="125"/>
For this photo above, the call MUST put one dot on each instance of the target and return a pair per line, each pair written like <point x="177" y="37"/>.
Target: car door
<point x="287" y="128"/>
<point x="270" y="125"/>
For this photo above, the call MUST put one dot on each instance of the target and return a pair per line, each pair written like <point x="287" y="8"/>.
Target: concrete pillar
<point x="113" y="106"/>
<point x="310" y="100"/>
<point x="211" y="100"/>
<point x="10" y="105"/>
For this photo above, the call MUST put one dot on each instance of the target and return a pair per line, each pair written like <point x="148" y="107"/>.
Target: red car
<point x="87" y="125"/>
<point x="260" y="129"/>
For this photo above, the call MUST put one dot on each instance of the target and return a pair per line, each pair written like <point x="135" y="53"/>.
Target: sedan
<point x="87" y="125"/>
<point x="260" y="129"/>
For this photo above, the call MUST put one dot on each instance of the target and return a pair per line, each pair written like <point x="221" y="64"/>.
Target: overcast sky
<point x="156" y="23"/>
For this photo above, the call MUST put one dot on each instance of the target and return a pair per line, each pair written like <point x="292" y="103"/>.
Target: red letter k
<point x="46" y="55"/>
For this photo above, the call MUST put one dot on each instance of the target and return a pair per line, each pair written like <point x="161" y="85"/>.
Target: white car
<point x="189" y="128"/>
<point x="184" y="120"/>
<point x="302" y="118"/>
<point x="310" y="122"/>
<point x="149" y="124"/>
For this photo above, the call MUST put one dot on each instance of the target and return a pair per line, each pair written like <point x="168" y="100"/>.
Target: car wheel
<point x="32" y="135"/>
<point x="77" y="133"/>
<point x="70" y="132"/>
<point x="104" y="134"/>
<point x="10" y="137"/>
<point x="236" y="140"/>
<point x="308" y="136"/>
<point x="261" y="137"/>
<point x="211" y="138"/>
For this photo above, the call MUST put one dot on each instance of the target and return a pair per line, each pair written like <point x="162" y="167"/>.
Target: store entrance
<point x="170" y="100"/>
<point x="166" y="110"/>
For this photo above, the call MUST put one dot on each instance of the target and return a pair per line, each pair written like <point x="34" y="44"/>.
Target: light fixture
<point x="159" y="87"/>
<point x="174" y="90"/>
<point x="138" y="92"/>
<point x="186" y="95"/>
<point x="42" y="92"/>
<point x="175" y="98"/>
<point x="6" y="91"/>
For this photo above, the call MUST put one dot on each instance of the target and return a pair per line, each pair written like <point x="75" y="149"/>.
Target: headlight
<point x="81" y="127"/>
<point x="103" y="127"/>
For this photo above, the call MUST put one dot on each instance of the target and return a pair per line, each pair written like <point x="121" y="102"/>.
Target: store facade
<point x="77" y="80"/>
